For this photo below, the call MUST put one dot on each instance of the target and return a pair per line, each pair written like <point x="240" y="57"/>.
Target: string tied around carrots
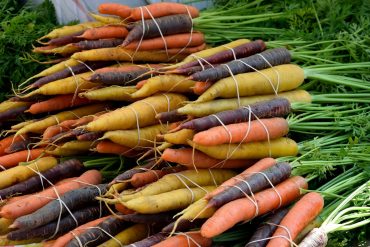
<point x="276" y="72"/>
<point x="106" y="232"/>
<point x="188" y="238"/>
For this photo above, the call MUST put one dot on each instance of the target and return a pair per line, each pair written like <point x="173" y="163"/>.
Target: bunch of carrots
<point x="207" y="127"/>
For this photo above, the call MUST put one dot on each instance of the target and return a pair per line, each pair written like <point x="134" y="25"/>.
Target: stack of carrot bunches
<point x="207" y="127"/>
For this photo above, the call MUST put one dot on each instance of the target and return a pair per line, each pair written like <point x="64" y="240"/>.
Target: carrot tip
<point x="14" y="225"/>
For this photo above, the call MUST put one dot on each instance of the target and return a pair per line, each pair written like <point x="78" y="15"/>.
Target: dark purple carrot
<point x="240" y="51"/>
<point x="65" y="225"/>
<point x="149" y="241"/>
<point x="253" y="183"/>
<point x="96" y="44"/>
<point x="66" y="169"/>
<point x="165" y="217"/>
<point x="171" y="116"/>
<point x="278" y="107"/>
<point x="266" y="229"/>
<point x="172" y="24"/>
<point x="98" y="235"/>
<point x="183" y="225"/>
<point x="12" y="113"/>
<point x="77" y="69"/>
<point x="33" y="98"/>
<point x="252" y="63"/>
<point x="51" y="211"/>
<point x="63" y="137"/>
<point x="122" y="78"/>
<point x="65" y="39"/>
<point x="191" y="70"/>
<point x="90" y="136"/>
<point x="20" y="145"/>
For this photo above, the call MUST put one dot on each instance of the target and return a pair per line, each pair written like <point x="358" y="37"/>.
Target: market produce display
<point x="161" y="126"/>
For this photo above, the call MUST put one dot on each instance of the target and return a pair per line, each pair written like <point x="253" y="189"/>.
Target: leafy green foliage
<point x="20" y="26"/>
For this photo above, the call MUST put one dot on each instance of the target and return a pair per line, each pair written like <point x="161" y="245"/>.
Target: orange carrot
<point x="200" y="87"/>
<point x="261" y="165"/>
<point x="7" y="141"/>
<point x="52" y="131"/>
<point x="13" y="159"/>
<point x="189" y="239"/>
<point x="63" y="240"/>
<point x="56" y="103"/>
<point x="120" y="10"/>
<point x="244" y="209"/>
<point x="170" y="41"/>
<point x="186" y="157"/>
<point x="298" y="217"/>
<point x="33" y="202"/>
<point x="256" y="130"/>
<point x="108" y="147"/>
<point x="105" y="32"/>
<point x="140" y="84"/>
<point x="162" y="9"/>
<point x="147" y="177"/>
<point x="187" y="50"/>
<point x="122" y="209"/>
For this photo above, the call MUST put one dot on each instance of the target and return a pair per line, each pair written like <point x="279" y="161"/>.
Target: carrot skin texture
<point x="12" y="113"/>
<point x="66" y="169"/>
<point x="163" y="9"/>
<point x="7" y="142"/>
<point x="120" y="10"/>
<point x="105" y="32"/>
<point x="252" y="184"/>
<point x="20" y="145"/>
<point x="298" y="217"/>
<point x="151" y="240"/>
<point x="108" y="147"/>
<point x="165" y="217"/>
<point x="275" y="57"/>
<point x="183" y="225"/>
<point x="240" y="51"/>
<point x="72" y="199"/>
<point x="244" y="209"/>
<point x="266" y="229"/>
<point x="66" y="224"/>
<point x="129" y="173"/>
<point x="143" y="178"/>
<point x="95" y="236"/>
<point x="267" y="109"/>
<point x="65" y="39"/>
<point x="122" y="78"/>
<point x="90" y="136"/>
<point x="171" y="116"/>
<point x="168" y="25"/>
<point x="11" y="160"/>
<point x="191" y="70"/>
<point x="96" y="44"/>
<point x="196" y="239"/>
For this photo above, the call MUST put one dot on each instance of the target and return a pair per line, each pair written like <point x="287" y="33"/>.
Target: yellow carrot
<point x="129" y="235"/>
<point x="71" y="148"/>
<point x="63" y="50"/>
<point x="116" y="93"/>
<point x="8" y="105"/>
<point x="107" y="19"/>
<point x="67" y="30"/>
<point x="179" y="137"/>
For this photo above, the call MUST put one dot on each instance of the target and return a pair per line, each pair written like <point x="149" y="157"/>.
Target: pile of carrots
<point x="206" y="127"/>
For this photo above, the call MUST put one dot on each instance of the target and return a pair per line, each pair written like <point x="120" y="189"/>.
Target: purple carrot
<point x="33" y="98"/>
<point x="90" y="136"/>
<point x="258" y="61"/>
<point x="12" y="113"/>
<point x="77" y="69"/>
<point x="65" y="225"/>
<point x="240" y="51"/>
<point x="65" y="39"/>
<point x="149" y="241"/>
<point x="171" y="116"/>
<point x="165" y="217"/>
<point x="65" y="136"/>
<point x="20" y="145"/>
<point x="96" y="236"/>
<point x="183" y="225"/>
<point x="266" y="229"/>
<point x="66" y="169"/>
<point x="122" y="77"/>
<point x="266" y="109"/>
<point x="96" y="44"/>
<point x="191" y="70"/>
<point x="252" y="184"/>
<point x="172" y="24"/>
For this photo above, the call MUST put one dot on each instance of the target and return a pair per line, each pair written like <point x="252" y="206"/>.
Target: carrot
<point x="131" y="234"/>
<point x="165" y="217"/>
<point x="162" y="26"/>
<point x="90" y="136"/>
<point x="200" y="87"/>
<point x="71" y="148"/>
<point x="11" y="160"/>
<point x="129" y="173"/>
<point x="252" y="63"/>
<point x="208" y="108"/>
<point x="116" y="93"/>
<point x="60" y="102"/>
<point x="120" y="10"/>
<point x="265" y="81"/>
<point x="109" y="20"/>
<point x="298" y="217"/>
<point x="62" y="50"/>
<point x="244" y="209"/>
<point x="41" y="125"/>
<point x="151" y="240"/>
<point x="65" y="39"/>
<point x="20" y="145"/>
<point x="12" y="113"/>
<point x="105" y="32"/>
<point x="9" y="105"/>
<point x="107" y="147"/>
<point x="4" y="225"/>
<point x="256" y="130"/>
<point x="174" y="181"/>
<point x="64" y="73"/>
<point x="66" y="224"/>
<point x="183" y="225"/>
<point x="252" y="184"/>
<point x="187" y="50"/>
<point x="4" y="241"/>
<point x="190" y="239"/>
<point x="71" y="200"/>
<point x="67" y="30"/>
<point x="52" y="131"/>
<point x="265" y="109"/>
<point x="96" y="44"/>
<point x="259" y="166"/>
<point x="7" y="141"/>
<point x="147" y="177"/>
<point x="153" y="204"/>
<point x="140" y="84"/>
<point x="266" y="229"/>
<point x="171" y="117"/>
<point x="140" y="113"/>
<point x="179" y="137"/>
<point x="191" y="70"/>
<point x="162" y="9"/>
<point x="164" y="83"/>
<point x="123" y="209"/>
<point x="196" y="159"/>
<point x="63" y="240"/>
<point x="240" y="51"/>
<point x="254" y="150"/>
<point x="34" y="202"/>
<point x="171" y="41"/>
<point x="97" y="235"/>
<point x="65" y="169"/>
